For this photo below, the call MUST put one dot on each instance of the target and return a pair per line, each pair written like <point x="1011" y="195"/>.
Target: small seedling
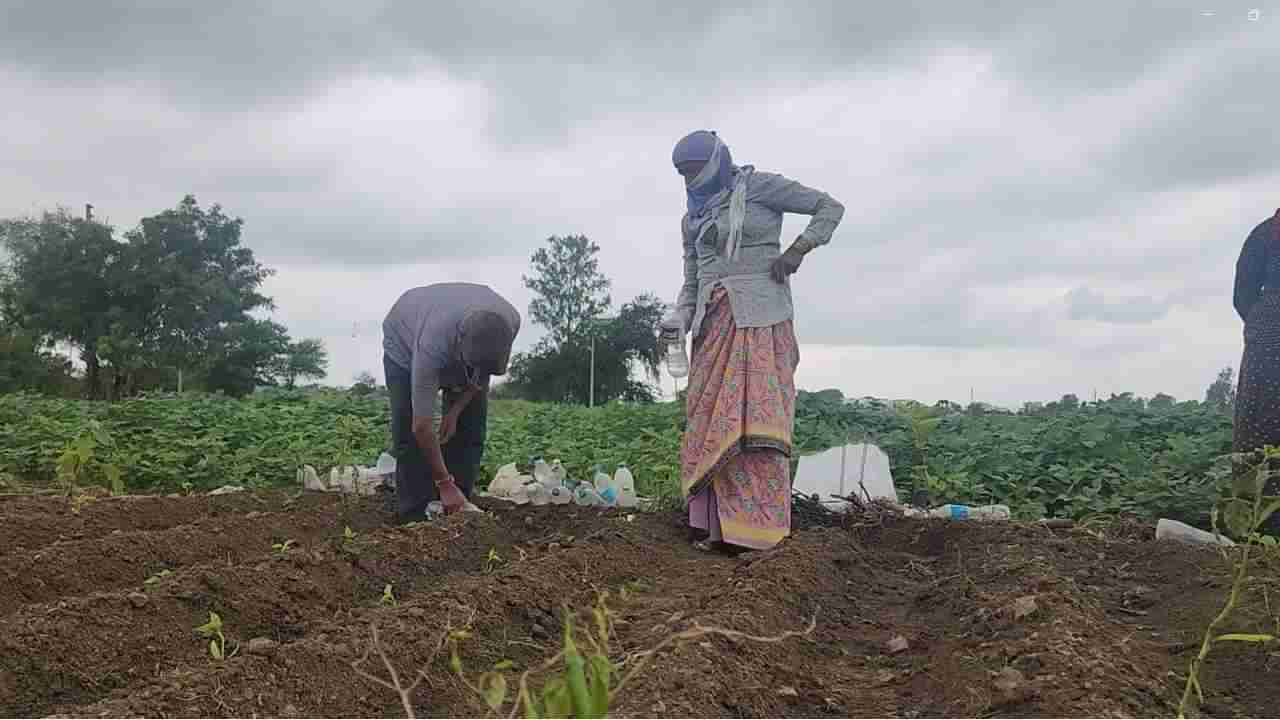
<point x="157" y="577"/>
<point x="217" y="640"/>
<point x="388" y="597"/>
<point x="492" y="560"/>
<point x="282" y="548"/>
<point x="187" y="488"/>
<point x="348" y="535"/>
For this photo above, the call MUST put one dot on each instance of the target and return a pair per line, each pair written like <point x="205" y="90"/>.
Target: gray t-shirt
<point x="422" y="330"/>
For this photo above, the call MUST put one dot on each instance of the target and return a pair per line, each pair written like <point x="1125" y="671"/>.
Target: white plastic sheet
<point x="860" y="470"/>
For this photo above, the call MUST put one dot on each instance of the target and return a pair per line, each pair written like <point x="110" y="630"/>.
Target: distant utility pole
<point x="88" y="212"/>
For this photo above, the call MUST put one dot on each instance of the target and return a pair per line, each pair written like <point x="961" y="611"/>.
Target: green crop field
<point x="1119" y="456"/>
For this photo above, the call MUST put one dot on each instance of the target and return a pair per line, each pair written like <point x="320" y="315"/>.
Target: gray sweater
<point x="756" y="300"/>
<point x="422" y="330"/>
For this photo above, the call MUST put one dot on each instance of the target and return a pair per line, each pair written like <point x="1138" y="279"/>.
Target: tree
<point x="1069" y="402"/>
<point x="365" y="383"/>
<point x="1221" y="395"/>
<point x="186" y="279"/>
<point x="568" y="286"/>
<point x="26" y="363"/>
<point x="161" y="299"/>
<point x="245" y="356"/>
<point x="63" y="283"/>
<point x="623" y="344"/>
<point x="1162" y="401"/>
<point x="303" y="359"/>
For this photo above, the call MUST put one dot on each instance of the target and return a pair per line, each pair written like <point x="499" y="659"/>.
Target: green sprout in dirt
<point x="388" y="597"/>
<point x="492" y="560"/>
<point x="155" y="579"/>
<point x="1244" y="514"/>
<point x="578" y="682"/>
<point x="79" y="461"/>
<point x="212" y="630"/>
<point x="282" y="548"/>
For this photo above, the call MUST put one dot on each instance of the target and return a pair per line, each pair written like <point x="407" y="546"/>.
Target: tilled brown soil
<point x="912" y="619"/>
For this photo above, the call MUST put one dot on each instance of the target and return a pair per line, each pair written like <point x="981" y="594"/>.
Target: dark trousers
<point x="415" y="488"/>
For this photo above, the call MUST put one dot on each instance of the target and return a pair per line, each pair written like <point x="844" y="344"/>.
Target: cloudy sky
<point x="1039" y="200"/>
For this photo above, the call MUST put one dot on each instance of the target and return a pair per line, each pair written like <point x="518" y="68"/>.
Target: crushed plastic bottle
<point x="1167" y="529"/>
<point x="538" y="493"/>
<point x="601" y="479"/>
<point x="964" y="512"/>
<point x="561" y="495"/>
<point x="584" y="494"/>
<point x="542" y="471"/>
<point x="507" y="479"/>
<point x="625" y="486"/>
<point x="386" y="464"/>
<point x="609" y="496"/>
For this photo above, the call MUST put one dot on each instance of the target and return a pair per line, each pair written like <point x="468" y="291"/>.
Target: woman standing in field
<point x="1257" y="301"/>
<point x="736" y="301"/>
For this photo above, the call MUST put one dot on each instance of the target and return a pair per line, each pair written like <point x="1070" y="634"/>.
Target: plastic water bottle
<point x="609" y="496"/>
<point x="967" y="512"/>
<point x="625" y="485"/>
<point x="586" y="495"/>
<point x="538" y="493"/>
<point x="601" y="480"/>
<point x="1167" y="529"/>
<point x="542" y="472"/>
<point x="561" y="495"/>
<point x="558" y="473"/>
<point x="386" y="464"/>
<point x="677" y="359"/>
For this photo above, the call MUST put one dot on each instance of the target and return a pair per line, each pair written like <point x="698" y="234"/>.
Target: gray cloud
<point x="1086" y="304"/>
<point x="1018" y="178"/>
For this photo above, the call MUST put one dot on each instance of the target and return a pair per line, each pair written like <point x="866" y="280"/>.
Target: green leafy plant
<point x="492" y="560"/>
<point x="1244" y="513"/>
<point x="388" y="596"/>
<point x="282" y="548"/>
<point x="578" y="681"/>
<point x="155" y="579"/>
<point x="79" y="461"/>
<point x="212" y="631"/>
<point x="923" y="422"/>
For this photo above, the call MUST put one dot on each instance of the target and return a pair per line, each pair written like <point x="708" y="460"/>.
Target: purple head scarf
<point x="704" y="146"/>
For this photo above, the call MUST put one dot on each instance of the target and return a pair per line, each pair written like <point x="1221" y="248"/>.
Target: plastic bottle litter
<point x="601" y="479"/>
<point x="964" y="512"/>
<point x="538" y="493"/>
<point x="505" y="481"/>
<point x="520" y="494"/>
<point x="584" y="494"/>
<point x="561" y="495"/>
<point x="625" y="486"/>
<point x="542" y="471"/>
<point x="677" y="358"/>
<point x="386" y="464"/>
<point x="558" y="473"/>
<point x="1167" y="529"/>
<point x="309" y="479"/>
<point x="609" y="496"/>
